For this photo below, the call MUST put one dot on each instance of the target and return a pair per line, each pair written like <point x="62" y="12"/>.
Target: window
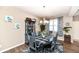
<point x="53" y="25"/>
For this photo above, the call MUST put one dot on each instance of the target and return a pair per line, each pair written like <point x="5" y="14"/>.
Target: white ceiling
<point x="49" y="11"/>
<point x="53" y="7"/>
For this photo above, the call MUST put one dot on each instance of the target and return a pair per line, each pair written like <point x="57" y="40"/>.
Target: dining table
<point x="43" y="40"/>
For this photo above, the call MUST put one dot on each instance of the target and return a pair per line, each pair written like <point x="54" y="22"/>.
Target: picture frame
<point x="17" y="26"/>
<point x="9" y="18"/>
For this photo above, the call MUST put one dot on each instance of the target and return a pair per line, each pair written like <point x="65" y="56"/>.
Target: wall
<point x="76" y="30"/>
<point x="9" y="36"/>
<point x="75" y="27"/>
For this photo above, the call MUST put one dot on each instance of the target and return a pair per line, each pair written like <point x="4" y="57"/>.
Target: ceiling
<point x="52" y="8"/>
<point x="49" y="11"/>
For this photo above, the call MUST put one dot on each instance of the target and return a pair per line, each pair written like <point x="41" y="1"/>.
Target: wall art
<point x="8" y="18"/>
<point x="17" y="26"/>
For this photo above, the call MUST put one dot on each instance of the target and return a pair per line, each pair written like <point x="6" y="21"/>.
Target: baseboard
<point x="11" y="47"/>
<point x="77" y="40"/>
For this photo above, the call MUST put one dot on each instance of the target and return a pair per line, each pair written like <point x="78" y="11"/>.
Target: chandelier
<point x="44" y="21"/>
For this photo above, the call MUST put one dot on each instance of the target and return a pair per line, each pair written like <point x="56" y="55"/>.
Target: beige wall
<point x="76" y="30"/>
<point x="76" y="27"/>
<point x="9" y="36"/>
<point x="67" y="19"/>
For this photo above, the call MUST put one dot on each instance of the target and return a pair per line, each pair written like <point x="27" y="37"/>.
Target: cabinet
<point x="29" y="28"/>
<point x="67" y="38"/>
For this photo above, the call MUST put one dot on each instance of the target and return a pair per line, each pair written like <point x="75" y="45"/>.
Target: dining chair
<point x="56" y="45"/>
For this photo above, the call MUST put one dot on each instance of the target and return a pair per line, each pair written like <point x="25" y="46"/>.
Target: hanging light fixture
<point x="44" y="21"/>
<point x="41" y="21"/>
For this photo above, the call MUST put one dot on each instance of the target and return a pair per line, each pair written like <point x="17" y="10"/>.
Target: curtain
<point x="60" y="26"/>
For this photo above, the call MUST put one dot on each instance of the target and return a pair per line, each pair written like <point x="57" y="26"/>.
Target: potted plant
<point x="66" y="30"/>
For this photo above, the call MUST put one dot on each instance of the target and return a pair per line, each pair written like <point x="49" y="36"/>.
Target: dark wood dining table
<point x="43" y="40"/>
